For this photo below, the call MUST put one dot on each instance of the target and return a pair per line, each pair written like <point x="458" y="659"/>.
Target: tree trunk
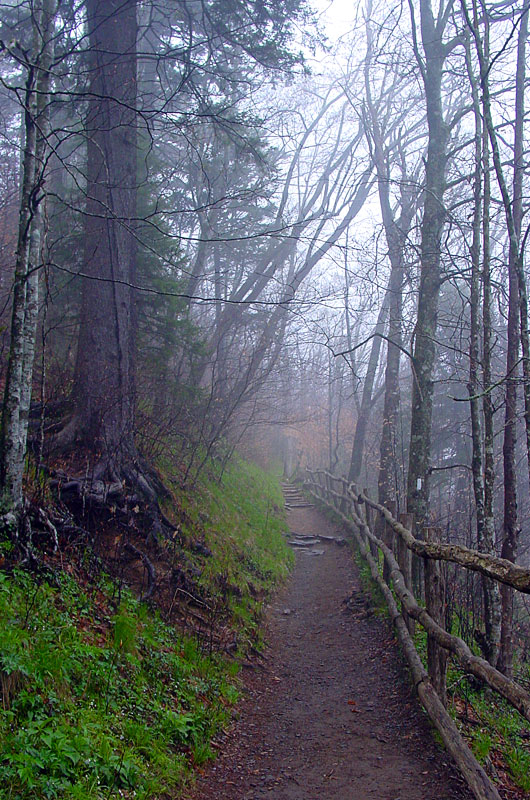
<point x="517" y="308"/>
<point x="396" y="234"/>
<point x="25" y="310"/>
<point x="482" y="468"/>
<point x="366" y="402"/>
<point x="490" y="589"/>
<point x="104" y="375"/>
<point x="434" y="215"/>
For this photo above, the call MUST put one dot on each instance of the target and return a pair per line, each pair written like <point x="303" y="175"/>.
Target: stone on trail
<point x="304" y="542"/>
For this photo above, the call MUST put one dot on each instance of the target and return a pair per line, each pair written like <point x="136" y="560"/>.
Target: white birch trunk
<point x="26" y="282"/>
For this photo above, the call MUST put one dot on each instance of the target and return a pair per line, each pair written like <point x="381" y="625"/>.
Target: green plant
<point x="518" y="760"/>
<point x="481" y="744"/>
<point x="99" y="701"/>
<point x="125" y="631"/>
<point x="202" y="752"/>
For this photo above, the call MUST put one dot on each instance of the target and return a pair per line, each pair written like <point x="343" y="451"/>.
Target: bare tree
<point x="518" y="305"/>
<point x="436" y="48"/>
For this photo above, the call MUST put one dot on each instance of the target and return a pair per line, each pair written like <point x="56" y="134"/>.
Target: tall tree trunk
<point x="490" y="589"/>
<point x="104" y="375"/>
<point x="510" y="529"/>
<point x="434" y="215"/>
<point x="396" y="232"/>
<point x="365" y="409"/>
<point x="517" y="311"/>
<point x="517" y="307"/>
<point x="482" y="468"/>
<point x="25" y="310"/>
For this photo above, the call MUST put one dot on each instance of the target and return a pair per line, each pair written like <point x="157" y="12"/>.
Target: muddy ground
<point x="330" y="714"/>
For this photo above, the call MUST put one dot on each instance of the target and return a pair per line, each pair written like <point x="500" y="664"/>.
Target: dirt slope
<point x="332" y="715"/>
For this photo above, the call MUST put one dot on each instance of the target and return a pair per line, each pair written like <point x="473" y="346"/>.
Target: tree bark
<point x="366" y="402"/>
<point x="517" y="307"/>
<point x="517" y="311"/>
<point x="104" y="374"/>
<point x="17" y="396"/>
<point x="482" y="448"/>
<point x="434" y="215"/>
<point x="490" y="590"/>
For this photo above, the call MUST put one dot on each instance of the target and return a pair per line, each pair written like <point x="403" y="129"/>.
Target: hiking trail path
<point x="330" y="714"/>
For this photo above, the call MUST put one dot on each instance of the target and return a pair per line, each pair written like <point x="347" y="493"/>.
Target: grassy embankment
<point x="102" y="698"/>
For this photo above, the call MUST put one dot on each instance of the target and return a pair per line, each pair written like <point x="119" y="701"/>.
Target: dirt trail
<point x="332" y="716"/>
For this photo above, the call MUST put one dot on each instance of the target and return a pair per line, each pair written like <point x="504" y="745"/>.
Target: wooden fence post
<point x="329" y="496"/>
<point x="369" y="516"/>
<point x="434" y="602"/>
<point x="345" y="502"/>
<point x="388" y="538"/>
<point x="404" y="557"/>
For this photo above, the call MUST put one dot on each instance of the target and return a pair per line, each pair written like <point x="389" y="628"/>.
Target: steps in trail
<point x="339" y="540"/>
<point x="294" y="498"/>
<point x="304" y="542"/>
<point x="307" y="540"/>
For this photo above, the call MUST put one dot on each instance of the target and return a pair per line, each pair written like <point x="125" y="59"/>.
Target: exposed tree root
<point x="122" y="492"/>
<point x="151" y="572"/>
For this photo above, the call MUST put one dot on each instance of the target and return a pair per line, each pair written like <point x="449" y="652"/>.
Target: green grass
<point x="501" y="732"/>
<point x="103" y="701"/>
<point x="96" y="703"/>
<point x="239" y="517"/>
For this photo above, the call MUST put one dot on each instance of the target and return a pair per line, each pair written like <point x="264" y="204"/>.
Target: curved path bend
<point x="331" y="715"/>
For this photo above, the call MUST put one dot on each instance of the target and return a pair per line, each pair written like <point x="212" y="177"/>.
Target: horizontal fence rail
<point x="359" y="513"/>
<point x="499" y="569"/>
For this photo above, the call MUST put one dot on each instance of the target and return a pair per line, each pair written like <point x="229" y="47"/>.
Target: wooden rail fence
<point x="395" y="540"/>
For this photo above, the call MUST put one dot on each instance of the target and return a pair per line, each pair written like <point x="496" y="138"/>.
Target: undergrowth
<point x="498" y="735"/>
<point x="103" y="699"/>
<point x="238" y="516"/>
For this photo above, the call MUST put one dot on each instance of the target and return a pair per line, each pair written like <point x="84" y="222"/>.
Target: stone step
<point x="304" y="542"/>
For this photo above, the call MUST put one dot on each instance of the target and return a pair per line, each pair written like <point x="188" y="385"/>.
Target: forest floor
<point x="330" y="714"/>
